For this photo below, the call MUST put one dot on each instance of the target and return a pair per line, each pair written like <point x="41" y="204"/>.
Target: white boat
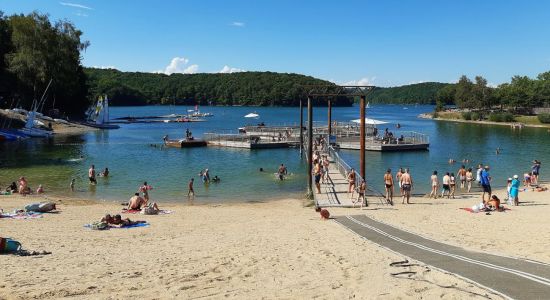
<point x="99" y="118"/>
<point x="32" y="131"/>
<point x="370" y="121"/>
<point x="252" y="115"/>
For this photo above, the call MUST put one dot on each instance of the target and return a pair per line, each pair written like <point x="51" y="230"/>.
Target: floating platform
<point x="249" y="145"/>
<point x="383" y="147"/>
<point x="185" y="143"/>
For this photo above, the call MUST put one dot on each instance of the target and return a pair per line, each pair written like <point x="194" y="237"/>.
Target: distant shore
<point x="430" y="116"/>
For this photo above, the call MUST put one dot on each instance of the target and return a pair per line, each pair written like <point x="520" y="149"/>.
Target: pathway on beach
<point x="512" y="277"/>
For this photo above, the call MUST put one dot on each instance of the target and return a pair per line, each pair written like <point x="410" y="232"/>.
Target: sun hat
<point x="515" y="176"/>
<point x="509" y="179"/>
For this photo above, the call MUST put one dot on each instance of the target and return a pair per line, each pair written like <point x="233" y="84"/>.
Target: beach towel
<point x="22" y="215"/>
<point x="95" y="227"/>
<point x="469" y="209"/>
<point x="133" y="211"/>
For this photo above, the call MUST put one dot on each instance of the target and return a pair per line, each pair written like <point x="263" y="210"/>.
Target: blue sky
<point x="384" y="42"/>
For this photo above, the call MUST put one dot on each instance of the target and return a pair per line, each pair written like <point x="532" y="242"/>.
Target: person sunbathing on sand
<point x="117" y="220"/>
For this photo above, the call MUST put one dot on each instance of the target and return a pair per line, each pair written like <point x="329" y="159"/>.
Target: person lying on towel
<point x="117" y="220"/>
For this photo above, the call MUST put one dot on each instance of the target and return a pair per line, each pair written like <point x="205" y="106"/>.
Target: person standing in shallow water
<point x="191" y="191"/>
<point x="91" y="175"/>
<point x="462" y="176"/>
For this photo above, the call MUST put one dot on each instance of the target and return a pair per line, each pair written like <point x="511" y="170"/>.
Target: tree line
<point x="419" y="93"/>
<point x="243" y="88"/>
<point x="35" y="51"/>
<point x="521" y="94"/>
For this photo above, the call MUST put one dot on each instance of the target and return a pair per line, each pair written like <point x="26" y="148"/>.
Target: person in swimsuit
<point x="91" y="175"/>
<point x="136" y="202"/>
<point x="144" y="189"/>
<point x="326" y="164"/>
<point x="398" y="179"/>
<point x="535" y="169"/>
<point x="388" y="183"/>
<point x="493" y="203"/>
<point x="406" y="185"/>
<point x="117" y="220"/>
<point x="469" y="179"/>
<point x="351" y="180"/>
<point x="23" y="186"/>
<point x="191" y="191"/>
<point x="435" y="185"/>
<point x="282" y="172"/>
<point x="71" y="186"/>
<point x="317" y="174"/>
<point x="462" y="176"/>
<point x="446" y="185"/>
<point x="362" y="189"/>
<point x="452" y="183"/>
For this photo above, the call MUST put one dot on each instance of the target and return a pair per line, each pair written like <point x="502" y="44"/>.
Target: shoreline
<point x="430" y="116"/>
<point x="59" y="128"/>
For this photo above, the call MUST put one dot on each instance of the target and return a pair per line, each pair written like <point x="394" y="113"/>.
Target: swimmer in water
<point x="282" y="172"/>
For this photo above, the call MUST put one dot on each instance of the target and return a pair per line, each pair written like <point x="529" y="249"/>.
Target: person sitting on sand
<point x="40" y="189"/>
<point x="23" y="188"/>
<point x="493" y="203"/>
<point x="12" y="188"/>
<point x="136" y="202"/>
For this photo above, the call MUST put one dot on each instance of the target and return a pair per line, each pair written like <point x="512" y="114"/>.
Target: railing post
<point x="309" y="144"/>
<point x="301" y="128"/>
<point x="362" y="137"/>
<point x="329" y="119"/>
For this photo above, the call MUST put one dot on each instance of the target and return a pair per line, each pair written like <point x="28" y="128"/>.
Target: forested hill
<point x="244" y="88"/>
<point x="422" y="93"/>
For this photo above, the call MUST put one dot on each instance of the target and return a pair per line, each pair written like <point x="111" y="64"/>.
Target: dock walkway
<point x="334" y="191"/>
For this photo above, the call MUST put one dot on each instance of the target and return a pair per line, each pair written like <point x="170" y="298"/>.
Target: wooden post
<point x="329" y="119"/>
<point x="301" y="128"/>
<point x="362" y="138"/>
<point x="309" y="144"/>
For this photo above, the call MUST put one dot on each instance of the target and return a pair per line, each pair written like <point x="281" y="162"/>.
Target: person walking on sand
<point x="462" y="176"/>
<point x="388" y="183"/>
<point x="91" y="175"/>
<point x="514" y="190"/>
<point x="362" y="189"/>
<point x="485" y="184"/>
<point x="398" y="179"/>
<point x="351" y="180"/>
<point x="191" y="191"/>
<point x="406" y="185"/>
<point x="446" y="185"/>
<point x="435" y="185"/>
<point x="469" y="179"/>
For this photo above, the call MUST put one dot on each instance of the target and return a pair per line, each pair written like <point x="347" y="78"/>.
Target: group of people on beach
<point x="22" y="187"/>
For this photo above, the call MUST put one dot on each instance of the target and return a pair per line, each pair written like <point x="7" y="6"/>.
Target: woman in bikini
<point x="388" y="182"/>
<point x="435" y="185"/>
<point x="351" y="181"/>
<point x="452" y="183"/>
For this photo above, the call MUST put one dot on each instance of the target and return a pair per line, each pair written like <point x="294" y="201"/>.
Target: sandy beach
<point x="277" y="249"/>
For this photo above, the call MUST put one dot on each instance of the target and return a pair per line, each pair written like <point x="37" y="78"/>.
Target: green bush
<point x="476" y="116"/>
<point x="495" y="117"/>
<point x="501" y="117"/>
<point x="508" y="117"/>
<point x="467" y="115"/>
<point x="544" y="118"/>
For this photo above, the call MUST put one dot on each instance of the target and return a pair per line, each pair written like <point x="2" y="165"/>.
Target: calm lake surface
<point x="128" y="154"/>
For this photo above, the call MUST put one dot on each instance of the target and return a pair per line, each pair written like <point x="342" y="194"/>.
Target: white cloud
<point x="179" y="65"/>
<point x="362" y="81"/>
<point x="81" y="14"/>
<point x="237" y="24"/>
<point x="228" y="69"/>
<point x="75" y="5"/>
<point x="104" y="67"/>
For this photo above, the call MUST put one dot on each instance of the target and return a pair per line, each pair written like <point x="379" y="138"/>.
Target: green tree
<point x="464" y="96"/>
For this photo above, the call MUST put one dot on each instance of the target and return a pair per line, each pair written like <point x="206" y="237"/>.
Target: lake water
<point x="131" y="158"/>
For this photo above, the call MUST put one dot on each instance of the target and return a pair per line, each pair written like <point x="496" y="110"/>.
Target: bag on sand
<point x="149" y="210"/>
<point x="8" y="245"/>
<point x="40" y="207"/>
<point x="99" y="226"/>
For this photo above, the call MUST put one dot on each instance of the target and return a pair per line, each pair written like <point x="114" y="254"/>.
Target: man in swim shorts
<point x="136" y="202"/>
<point x="406" y="185"/>
<point x="282" y="172"/>
<point x="91" y="175"/>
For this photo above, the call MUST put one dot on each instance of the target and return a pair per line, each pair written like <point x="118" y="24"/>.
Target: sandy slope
<point x="261" y="250"/>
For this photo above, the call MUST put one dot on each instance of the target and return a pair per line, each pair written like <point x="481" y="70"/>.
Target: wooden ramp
<point x="334" y="192"/>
